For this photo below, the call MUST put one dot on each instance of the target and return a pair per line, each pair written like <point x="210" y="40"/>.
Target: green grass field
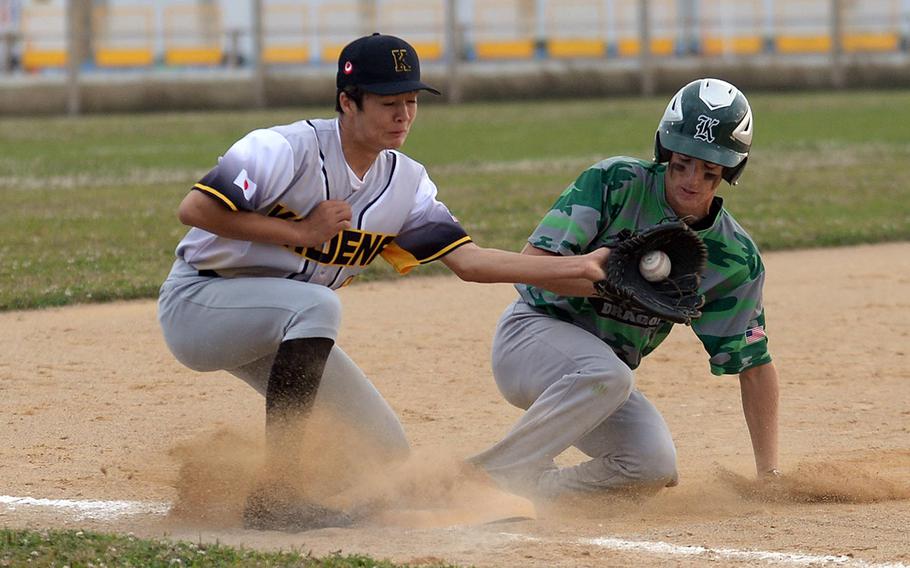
<point x="89" y="202"/>
<point x="78" y="548"/>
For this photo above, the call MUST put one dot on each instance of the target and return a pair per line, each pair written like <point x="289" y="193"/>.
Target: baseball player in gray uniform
<point x="568" y="358"/>
<point x="288" y="215"/>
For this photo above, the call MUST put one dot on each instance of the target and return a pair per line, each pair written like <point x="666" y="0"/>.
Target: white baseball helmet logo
<point x="716" y="93"/>
<point x="704" y="130"/>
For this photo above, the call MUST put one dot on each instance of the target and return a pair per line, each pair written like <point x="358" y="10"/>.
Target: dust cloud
<point x="335" y="467"/>
<point x="826" y="481"/>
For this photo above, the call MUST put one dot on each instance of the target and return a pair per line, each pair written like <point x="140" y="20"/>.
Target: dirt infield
<point x="95" y="409"/>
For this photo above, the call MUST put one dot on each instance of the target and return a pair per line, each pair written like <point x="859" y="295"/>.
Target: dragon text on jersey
<point x="350" y="247"/>
<point x="624" y="314"/>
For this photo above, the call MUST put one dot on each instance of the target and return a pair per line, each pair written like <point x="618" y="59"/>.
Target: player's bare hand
<point x="325" y="221"/>
<point x="594" y="264"/>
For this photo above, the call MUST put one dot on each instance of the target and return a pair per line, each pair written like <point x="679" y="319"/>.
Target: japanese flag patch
<point x="244" y="182"/>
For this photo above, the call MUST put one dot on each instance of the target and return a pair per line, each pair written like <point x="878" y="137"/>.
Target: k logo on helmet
<point x="704" y="129"/>
<point x="401" y="64"/>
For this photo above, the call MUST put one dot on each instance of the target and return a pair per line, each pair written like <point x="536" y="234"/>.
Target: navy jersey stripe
<point x="381" y="193"/>
<point x="335" y="279"/>
<point x="325" y="175"/>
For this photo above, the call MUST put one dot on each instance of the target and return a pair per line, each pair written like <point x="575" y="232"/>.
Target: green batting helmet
<point x="707" y="119"/>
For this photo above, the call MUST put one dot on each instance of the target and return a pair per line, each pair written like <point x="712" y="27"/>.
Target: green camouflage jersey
<point x="628" y="194"/>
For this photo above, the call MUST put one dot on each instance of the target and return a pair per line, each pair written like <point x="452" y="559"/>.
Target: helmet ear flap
<point x="731" y="175"/>
<point x="661" y="154"/>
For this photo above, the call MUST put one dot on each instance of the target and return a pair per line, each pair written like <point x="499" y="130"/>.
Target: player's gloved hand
<point x="676" y="298"/>
<point x="325" y="221"/>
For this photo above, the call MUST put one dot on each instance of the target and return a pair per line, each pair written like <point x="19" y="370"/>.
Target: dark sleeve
<point x="254" y="171"/>
<point x="429" y="233"/>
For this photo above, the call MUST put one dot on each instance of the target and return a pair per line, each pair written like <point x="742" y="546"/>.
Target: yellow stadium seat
<point x="124" y="36"/>
<point x="517" y="49"/>
<point x="871" y="42"/>
<point x="736" y="45"/>
<point x="40" y="59"/>
<point x="286" y="54"/>
<point x="803" y="44"/>
<point x="331" y="52"/>
<point x="193" y="56"/>
<point x="123" y="57"/>
<point x="576" y="48"/>
<point x="659" y="46"/>
<point x="192" y="35"/>
<point x="428" y="49"/>
<point x="662" y="46"/>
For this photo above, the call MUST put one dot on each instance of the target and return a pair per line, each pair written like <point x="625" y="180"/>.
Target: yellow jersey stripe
<point x="217" y="194"/>
<point x="462" y="241"/>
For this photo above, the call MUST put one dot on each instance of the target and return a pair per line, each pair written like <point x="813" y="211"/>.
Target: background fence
<point x="76" y="38"/>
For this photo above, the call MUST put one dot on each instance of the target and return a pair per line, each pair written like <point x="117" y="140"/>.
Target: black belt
<point x="209" y="273"/>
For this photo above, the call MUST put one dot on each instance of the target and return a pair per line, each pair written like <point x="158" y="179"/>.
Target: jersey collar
<point x="355" y="182"/>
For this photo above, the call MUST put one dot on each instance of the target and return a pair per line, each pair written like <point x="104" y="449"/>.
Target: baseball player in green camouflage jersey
<point x="567" y="358"/>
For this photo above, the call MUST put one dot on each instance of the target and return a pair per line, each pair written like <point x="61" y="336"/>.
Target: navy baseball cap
<point x="380" y="64"/>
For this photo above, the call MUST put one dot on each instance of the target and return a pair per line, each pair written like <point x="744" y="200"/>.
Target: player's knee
<point x="624" y="379"/>
<point x="191" y="361"/>
<point x="183" y="350"/>
<point x="330" y="307"/>
<point x="658" y="466"/>
<point x="318" y="316"/>
<point x="616" y="380"/>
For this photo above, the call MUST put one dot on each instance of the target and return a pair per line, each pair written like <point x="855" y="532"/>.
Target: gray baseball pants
<point x="576" y="392"/>
<point x="236" y="324"/>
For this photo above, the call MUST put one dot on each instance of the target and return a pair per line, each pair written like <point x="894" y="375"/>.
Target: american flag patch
<point x="755" y="334"/>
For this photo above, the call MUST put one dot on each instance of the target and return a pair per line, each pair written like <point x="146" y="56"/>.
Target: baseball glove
<point x="675" y="298"/>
